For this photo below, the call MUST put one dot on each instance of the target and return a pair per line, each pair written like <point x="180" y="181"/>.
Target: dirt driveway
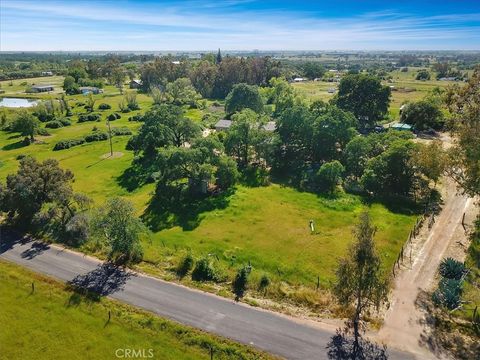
<point x="405" y="327"/>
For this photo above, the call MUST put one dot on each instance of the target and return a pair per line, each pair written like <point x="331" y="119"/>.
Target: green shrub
<point x="26" y="141"/>
<point x="204" y="271"/>
<point x="264" y="282"/>
<point x="452" y="269"/>
<point x="42" y="132"/>
<point x="96" y="136"/>
<point x="66" y="144"/>
<point x="121" y="131"/>
<point x="114" y="116"/>
<point x="104" y="106"/>
<point x="65" y="122"/>
<point x="135" y="118"/>
<point x="88" y="117"/>
<point x="55" y="124"/>
<point x="185" y="265"/>
<point x="240" y="282"/>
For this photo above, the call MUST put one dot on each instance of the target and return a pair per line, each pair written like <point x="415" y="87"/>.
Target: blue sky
<point x="239" y="25"/>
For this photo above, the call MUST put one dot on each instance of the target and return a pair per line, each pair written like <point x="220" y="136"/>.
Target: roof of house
<point x="401" y="126"/>
<point x="223" y="123"/>
<point x="42" y="86"/>
<point x="270" y="126"/>
<point x="137" y="81"/>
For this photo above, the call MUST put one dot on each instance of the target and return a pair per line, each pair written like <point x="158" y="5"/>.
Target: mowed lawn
<point x="55" y="323"/>
<point x="269" y="227"/>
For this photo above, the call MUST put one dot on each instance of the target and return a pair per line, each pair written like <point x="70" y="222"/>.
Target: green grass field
<point x="406" y="88"/>
<point x="56" y="323"/>
<point x="268" y="226"/>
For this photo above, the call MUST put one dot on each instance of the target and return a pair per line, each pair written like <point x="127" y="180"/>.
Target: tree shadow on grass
<point x="132" y="178"/>
<point x="395" y="204"/>
<point x="103" y="281"/>
<point x="15" y="145"/>
<point x="176" y="207"/>
<point x="341" y="347"/>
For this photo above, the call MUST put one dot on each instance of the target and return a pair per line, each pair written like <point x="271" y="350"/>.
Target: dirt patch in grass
<point x="116" y="154"/>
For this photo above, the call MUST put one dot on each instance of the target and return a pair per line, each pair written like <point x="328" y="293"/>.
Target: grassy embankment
<point x="55" y="323"/>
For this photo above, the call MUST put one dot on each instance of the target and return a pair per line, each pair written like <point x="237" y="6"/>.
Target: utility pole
<point x="110" y="138"/>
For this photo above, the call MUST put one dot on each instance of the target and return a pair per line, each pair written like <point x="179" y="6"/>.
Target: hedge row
<point x="66" y="144"/>
<point x="121" y="131"/>
<point x="96" y="136"/>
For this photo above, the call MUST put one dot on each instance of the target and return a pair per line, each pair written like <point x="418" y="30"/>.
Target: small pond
<point x="17" y="102"/>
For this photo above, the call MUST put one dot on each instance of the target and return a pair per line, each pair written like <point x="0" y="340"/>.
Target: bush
<point x="97" y="136"/>
<point x="449" y="293"/>
<point x="185" y="265"/>
<point x="104" y="106"/>
<point x="26" y="141"/>
<point x="452" y="269"/>
<point x="240" y="282"/>
<point x="264" y="282"/>
<point x="76" y="230"/>
<point x="55" y="124"/>
<point x="42" y="132"/>
<point x="66" y="144"/>
<point x="329" y="176"/>
<point x="204" y="271"/>
<point x="65" y="122"/>
<point x="114" y="116"/>
<point x="88" y="117"/>
<point x="135" y="118"/>
<point x="121" y="131"/>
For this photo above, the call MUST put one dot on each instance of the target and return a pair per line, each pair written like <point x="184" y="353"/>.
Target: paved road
<point x="274" y="333"/>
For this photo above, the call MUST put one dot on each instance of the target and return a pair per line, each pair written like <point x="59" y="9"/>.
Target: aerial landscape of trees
<point x="175" y="169"/>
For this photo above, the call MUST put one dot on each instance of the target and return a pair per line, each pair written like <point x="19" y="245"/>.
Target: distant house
<point x="85" y="90"/>
<point x="135" y="84"/>
<point x="401" y="127"/>
<point x="47" y="73"/>
<point x="448" y="78"/>
<point x="299" y="79"/>
<point x="41" y="88"/>
<point x="223" y="124"/>
<point x="270" y="126"/>
<point x="176" y="62"/>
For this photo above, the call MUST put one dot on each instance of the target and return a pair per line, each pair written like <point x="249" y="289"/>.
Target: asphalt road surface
<point x="278" y="334"/>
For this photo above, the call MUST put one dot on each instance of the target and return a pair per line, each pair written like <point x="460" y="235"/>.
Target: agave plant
<point x="452" y="269"/>
<point x="449" y="293"/>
